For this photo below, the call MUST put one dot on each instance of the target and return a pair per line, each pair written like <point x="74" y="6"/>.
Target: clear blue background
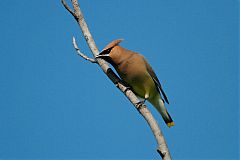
<point x="53" y="104"/>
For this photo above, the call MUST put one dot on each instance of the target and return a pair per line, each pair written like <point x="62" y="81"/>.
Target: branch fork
<point x="80" y="53"/>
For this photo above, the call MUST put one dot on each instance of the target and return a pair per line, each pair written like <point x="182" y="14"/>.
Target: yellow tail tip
<point x="170" y="124"/>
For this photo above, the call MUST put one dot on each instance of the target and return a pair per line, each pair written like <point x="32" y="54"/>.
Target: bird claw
<point x="126" y="89"/>
<point x="140" y="104"/>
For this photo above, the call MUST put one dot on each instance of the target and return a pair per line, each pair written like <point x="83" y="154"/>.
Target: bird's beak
<point x="102" y="55"/>
<point x="105" y="53"/>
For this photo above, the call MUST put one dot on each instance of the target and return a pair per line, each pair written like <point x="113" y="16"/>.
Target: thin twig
<point x="80" y="53"/>
<point x="68" y="8"/>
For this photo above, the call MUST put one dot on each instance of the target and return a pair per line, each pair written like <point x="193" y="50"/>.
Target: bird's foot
<point x="126" y="89"/>
<point x="140" y="104"/>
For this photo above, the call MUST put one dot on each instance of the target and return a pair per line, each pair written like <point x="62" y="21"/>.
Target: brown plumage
<point x="138" y="74"/>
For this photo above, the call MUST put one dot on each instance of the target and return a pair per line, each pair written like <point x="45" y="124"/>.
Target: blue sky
<point x="53" y="104"/>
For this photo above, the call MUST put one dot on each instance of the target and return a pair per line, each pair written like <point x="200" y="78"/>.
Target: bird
<point x="137" y="73"/>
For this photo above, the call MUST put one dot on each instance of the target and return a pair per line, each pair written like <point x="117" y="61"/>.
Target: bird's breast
<point x="137" y="77"/>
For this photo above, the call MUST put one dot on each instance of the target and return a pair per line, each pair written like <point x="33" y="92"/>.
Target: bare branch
<point x="143" y="110"/>
<point x="80" y="53"/>
<point x="86" y="33"/>
<point x="68" y="8"/>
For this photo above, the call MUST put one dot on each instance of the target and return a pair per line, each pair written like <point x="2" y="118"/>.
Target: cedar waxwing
<point x="138" y="74"/>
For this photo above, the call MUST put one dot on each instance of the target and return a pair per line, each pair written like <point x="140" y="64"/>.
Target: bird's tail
<point x="168" y="120"/>
<point x="159" y="105"/>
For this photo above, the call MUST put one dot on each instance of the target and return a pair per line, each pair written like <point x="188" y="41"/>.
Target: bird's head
<point x="110" y="53"/>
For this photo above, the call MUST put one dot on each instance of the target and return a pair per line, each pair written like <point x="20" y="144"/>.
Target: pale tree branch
<point x="67" y="7"/>
<point x="162" y="148"/>
<point x="80" y="53"/>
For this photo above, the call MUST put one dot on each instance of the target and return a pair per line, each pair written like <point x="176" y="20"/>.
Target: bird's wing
<point x="156" y="81"/>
